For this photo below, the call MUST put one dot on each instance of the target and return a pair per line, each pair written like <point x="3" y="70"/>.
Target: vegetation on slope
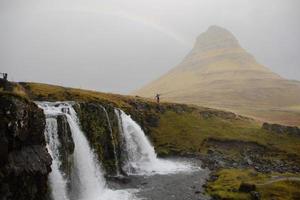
<point x="46" y="92"/>
<point x="185" y="132"/>
<point x="219" y="73"/>
<point x="221" y="139"/>
<point x="227" y="185"/>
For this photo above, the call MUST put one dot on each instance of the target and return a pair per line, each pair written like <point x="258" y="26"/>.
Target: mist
<point x="118" y="46"/>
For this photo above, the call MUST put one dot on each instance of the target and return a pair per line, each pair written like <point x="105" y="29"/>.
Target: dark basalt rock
<point x="255" y="195"/>
<point x="281" y="129"/>
<point x="67" y="146"/>
<point x="246" y="187"/>
<point x="24" y="160"/>
<point x="6" y="85"/>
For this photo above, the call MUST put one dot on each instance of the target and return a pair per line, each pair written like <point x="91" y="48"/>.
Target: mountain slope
<point x="219" y="73"/>
<point x="236" y="146"/>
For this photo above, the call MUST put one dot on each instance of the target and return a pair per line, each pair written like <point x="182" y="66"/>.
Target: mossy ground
<point x="177" y="131"/>
<point x="185" y="132"/>
<point x="40" y="91"/>
<point x="228" y="182"/>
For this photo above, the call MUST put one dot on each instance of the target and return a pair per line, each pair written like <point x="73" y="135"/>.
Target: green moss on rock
<point x="96" y="126"/>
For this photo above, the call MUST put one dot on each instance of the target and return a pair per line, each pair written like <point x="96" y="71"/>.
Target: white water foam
<point x="56" y="177"/>
<point x="141" y="156"/>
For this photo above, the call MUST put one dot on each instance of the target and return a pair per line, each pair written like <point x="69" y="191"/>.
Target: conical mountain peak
<point x="219" y="73"/>
<point x="216" y="38"/>
<point x="218" y="30"/>
<point x="218" y="51"/>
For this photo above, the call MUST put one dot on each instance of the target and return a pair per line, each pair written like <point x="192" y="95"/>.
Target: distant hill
<point x="219" y="73"/>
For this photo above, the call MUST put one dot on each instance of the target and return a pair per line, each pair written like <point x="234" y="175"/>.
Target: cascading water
<point x="141" y="156"/>
<point x="113" y="142"/>
<point x="56" y="177"/>
<point x="88" y="181"/>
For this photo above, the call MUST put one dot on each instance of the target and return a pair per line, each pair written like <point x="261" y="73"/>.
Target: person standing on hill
<point x="157" y="97"/>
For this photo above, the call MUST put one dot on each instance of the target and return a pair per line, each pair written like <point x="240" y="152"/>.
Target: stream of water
<point x="141" y="156"/>
<point x="87" y="181"/>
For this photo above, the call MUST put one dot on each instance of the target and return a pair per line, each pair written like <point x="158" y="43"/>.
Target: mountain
<point x="219" y="73"/>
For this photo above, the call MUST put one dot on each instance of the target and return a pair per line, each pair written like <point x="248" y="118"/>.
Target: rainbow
<point x="135" y="18"/>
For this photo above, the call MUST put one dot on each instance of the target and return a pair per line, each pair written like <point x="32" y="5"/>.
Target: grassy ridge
<point x="185" y="131"/>
<point x="40" y="91"/>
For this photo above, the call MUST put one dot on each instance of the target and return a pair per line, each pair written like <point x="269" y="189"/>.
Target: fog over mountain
<point x="219" y="73"/>
<point x="118" y="46"/>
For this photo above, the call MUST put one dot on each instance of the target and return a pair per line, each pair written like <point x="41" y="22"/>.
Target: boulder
<point x="247" y="187"/>
<point x="255" y="195"/>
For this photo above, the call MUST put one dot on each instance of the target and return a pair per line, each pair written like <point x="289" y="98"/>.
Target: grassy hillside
<point x="270" y="186"/>
<point x="219" y="73"/>
<point x="226" y="142"/>
<point x="40" y="91"/>
<point x="184" y="131"/>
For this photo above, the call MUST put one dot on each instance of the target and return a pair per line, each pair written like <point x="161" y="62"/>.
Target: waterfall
<point x="141" y="156"/>
<point x="88" y="182"/>
<point x="56" y="177"/>
<point x="113" y="142"/>
<point x="91" y="180"/>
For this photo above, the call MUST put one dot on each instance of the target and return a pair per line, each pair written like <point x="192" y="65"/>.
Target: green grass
<point x="177" y="132"/>
<point x="20" y="96"/>
<point x="58" y="93"/>
<point x="185" y="133"/>
<point x="182" y="132"/>
<point x="281" y="190"/>
<point x="13" y="89"/>
<point x="228" y="182"/>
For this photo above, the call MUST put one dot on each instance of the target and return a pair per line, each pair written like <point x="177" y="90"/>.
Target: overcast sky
<point x="120" y="45"/>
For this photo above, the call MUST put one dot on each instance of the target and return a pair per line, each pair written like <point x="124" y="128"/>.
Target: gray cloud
<point x="118" y="46"/>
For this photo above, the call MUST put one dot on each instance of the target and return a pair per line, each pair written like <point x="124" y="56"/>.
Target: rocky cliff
<point x="66" y="149"/>
<point x="24" y="160"/>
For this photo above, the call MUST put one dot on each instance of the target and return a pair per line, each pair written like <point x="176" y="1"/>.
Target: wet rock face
<point x="22" y="122"/>
<point x="24" y="160"/>
<point x="67" y="146"/>
<point x="95" y="125"/>
<point x="281" y="129"/>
